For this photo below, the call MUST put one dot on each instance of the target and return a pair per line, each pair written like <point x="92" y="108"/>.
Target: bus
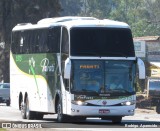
<point x="66" y="65"/>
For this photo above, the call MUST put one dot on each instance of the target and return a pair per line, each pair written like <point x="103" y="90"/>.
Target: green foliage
<point x="96" y="8"/>
<point x="142" y="15"/>
<point x="70" y="7"/>
<point x="2" y="129"/>
<point x="138" y="88"/>
<point x="20" y="11"/>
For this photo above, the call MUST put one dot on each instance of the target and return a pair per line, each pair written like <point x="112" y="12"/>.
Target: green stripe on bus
<point x="33" y="72"/>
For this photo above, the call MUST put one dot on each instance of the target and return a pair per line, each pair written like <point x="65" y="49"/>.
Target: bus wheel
<point x="117" y="120"/>
<point x="23" y="110"/>
<point x="8" y="103"/>
<point x="29" y="114"/>
<point x="60" y="116"/>
<point x="158" y="108"/>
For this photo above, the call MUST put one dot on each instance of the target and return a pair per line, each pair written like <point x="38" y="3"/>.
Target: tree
<point x="143" y="16"/>
<point x="70" y="7"/>
<point x="20" y="11"/>
<point x="95" y="8"/>
<point x="153" y="17"/>
<point x="131" y="12"/>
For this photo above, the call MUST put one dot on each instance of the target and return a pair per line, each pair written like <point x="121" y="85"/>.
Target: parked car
<point x="5" y="93"/>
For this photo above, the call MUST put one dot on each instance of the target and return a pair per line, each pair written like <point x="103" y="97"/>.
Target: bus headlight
<point x="128" y="103"/>
<point x="81" y="103"/>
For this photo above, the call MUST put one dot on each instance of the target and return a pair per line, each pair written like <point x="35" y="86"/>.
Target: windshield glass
<point x="154" y="85"/>
<point x="120" y="76"/>
<point x="103" y="77"/>
<point x="87" y="76"/>
<point x="98" y="41"/>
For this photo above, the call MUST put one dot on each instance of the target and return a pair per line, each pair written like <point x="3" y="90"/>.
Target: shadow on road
<point x="98" y="123"/>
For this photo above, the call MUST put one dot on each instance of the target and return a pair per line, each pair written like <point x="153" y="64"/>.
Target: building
<point x="152" y="44"/>
<point x="148" y="48"/>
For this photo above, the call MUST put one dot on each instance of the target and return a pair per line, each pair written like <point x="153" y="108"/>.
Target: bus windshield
<point x="103" y="77"/>
<point x="97" y="41"/>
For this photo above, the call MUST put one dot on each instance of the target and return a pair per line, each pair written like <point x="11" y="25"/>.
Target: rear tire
<point x="29" y="114"/>
<point x="23" y="110"/>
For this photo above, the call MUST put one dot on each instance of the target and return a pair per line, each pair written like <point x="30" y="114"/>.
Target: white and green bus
<point x="65" y="66"/>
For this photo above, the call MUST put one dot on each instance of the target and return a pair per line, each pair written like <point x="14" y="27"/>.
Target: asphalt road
<point x="11" y="118"/>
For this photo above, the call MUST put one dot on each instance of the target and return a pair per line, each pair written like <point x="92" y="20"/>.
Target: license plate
<point x="104" y="111"/>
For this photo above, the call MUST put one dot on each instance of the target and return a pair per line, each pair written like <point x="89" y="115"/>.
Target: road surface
<point x="11" y="118"/>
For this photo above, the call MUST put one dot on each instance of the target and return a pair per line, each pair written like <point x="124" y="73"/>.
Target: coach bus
<point x="66" y="66"/>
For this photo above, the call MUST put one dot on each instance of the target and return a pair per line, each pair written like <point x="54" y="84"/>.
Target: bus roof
<point x="71" y="21"/>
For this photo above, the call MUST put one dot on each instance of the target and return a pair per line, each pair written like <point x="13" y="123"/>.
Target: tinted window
<point x="2" y="86"/>
<point x="6" y="86"/>
<point x="101" y="42"/>
<point x="65" y="41"/>
<point x="36" y="41"/>
<point x="54" y="39"/>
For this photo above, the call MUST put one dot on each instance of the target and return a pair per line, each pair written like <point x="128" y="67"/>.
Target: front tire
<point x="60" y="116"/>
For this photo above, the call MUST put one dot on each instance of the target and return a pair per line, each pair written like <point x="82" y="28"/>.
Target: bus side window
<point x="36" y="41"/>
<point x="30" y="42"/>
<point x="65" y="41"/>
<point x="21" y="42"/>
<point x="54" y="40"/>
<point x="15" y="42"/>
<point x="26" y="44"/>
<point x="64" y="54"/>
<point x="42" y="40"/>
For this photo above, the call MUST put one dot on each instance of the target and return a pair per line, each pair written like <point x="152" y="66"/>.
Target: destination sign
<point x="89" y="66"/>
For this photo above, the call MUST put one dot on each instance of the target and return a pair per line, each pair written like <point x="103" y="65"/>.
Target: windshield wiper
<point x="122" y="90"/>
<point x="88" y="53"/>
<point x="84" y="90"/>
<point x="90" y="91"/>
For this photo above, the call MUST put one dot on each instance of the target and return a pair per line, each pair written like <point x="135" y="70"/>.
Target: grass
<point x="2" y="129"/>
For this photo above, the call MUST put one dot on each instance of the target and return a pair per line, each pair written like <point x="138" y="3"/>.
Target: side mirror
<point x="67" y="69"/>
<point x="141" y="68"/>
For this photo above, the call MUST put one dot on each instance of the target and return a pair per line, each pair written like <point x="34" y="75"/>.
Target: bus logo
<point x="45" y="66"/>
<point x="104" y="102"/>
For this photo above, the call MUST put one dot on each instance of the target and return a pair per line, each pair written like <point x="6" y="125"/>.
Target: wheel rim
<point x="27" y="108"/>
<point x="22" y="108"/>
<point x="59" y="112"/>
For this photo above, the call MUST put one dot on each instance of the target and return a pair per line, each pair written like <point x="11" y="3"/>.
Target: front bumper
<point x="4" y="100"/>
<point x="99" y="111"/>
